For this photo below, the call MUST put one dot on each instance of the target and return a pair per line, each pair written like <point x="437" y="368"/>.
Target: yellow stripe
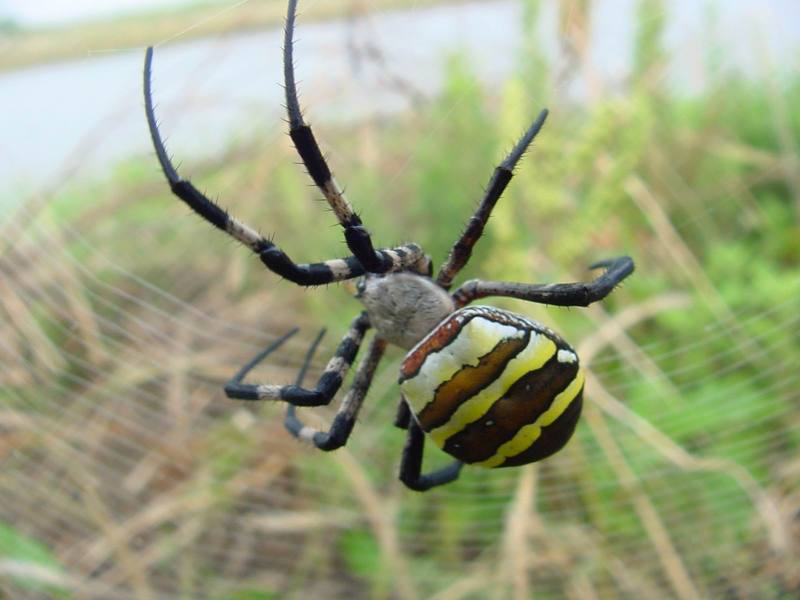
<point x="538" y="351"/>
<point x="528" y="434"/>
<point x="477" y="338"/>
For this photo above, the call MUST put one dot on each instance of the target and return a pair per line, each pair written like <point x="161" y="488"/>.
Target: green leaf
<point x="31" y="556"/>
<point x="362" y="553"/>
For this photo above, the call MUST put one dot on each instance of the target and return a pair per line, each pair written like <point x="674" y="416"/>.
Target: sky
<point x="48" y="12"/>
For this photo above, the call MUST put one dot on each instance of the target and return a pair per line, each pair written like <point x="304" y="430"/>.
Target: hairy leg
<point x="328" y="384"/>
<point x="462" y="250"/>
<point x="342" y="426"/>
<point x="358" y="238"/>
<point x="560" y="294"/>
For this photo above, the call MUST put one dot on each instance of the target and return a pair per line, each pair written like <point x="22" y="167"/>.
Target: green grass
<point x="682" y="477"/>
<point x="30" y="555"/>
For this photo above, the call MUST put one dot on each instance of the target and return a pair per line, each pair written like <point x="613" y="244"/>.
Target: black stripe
<point x="336" y="436"/>
<point x="347" y="350"/>
<point x="360" y="244"/>
<point x="354" y="266"/>
<point x="345" y="418"/>
<point x="329" y="382"/>
<point x="316" y="273"/>
<point x="311" y="274"/>
<point x="298" y="396"/>
<point x="277" y="261"/>
<point x="200" y="204"/>
<point x="553" y="437"/>
<point x="516" y="408"/>
<point x="241" y="391"/>
<point x="465" y="393"/>
<point x="312" y="157"/>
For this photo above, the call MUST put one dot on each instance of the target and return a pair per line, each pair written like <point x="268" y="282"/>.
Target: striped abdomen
<point x="493" y="388"/>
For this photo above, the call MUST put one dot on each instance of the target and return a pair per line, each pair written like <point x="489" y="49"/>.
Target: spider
<point x="489" y="387"/>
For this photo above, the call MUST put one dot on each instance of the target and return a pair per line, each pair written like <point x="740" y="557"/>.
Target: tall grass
<point x="125" y="472"/>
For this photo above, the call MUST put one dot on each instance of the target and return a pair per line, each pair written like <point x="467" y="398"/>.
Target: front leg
<point x="276" y="260"/>
<point x="462" y="249"/>
<point x="559" y="294"/>
<point x="356" y="235"/>
<point x="328" y="384"/>
<point x="411" y="463"/>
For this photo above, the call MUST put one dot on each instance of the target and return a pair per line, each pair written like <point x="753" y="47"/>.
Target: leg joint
<point x="294" y="394"/>
<point x="337" y="435"/>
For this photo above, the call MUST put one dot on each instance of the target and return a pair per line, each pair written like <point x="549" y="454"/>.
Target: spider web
<point x="125" y="473"/>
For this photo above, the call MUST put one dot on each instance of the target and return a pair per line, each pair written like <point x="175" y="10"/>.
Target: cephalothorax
<point x="404" y="307"/>
<point x="489" y="387"/>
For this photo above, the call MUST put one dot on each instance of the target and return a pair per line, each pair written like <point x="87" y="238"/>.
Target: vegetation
<point x="139" y="29"/>
<point x="8" y="26"/>
<point x="683" y="477"/>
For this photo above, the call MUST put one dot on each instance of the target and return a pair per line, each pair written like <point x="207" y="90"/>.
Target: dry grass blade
<point x="671" y="562"/>
<point x="650" y="435"/>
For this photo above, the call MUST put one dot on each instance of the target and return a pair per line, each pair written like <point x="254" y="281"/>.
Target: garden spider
<point x="489" y="387"/>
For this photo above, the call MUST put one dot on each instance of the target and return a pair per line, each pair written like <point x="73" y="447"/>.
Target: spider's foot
<point x="623" y="263"/>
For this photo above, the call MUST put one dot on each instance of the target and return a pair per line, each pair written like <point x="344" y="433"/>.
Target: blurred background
<point x="673" y="137"/>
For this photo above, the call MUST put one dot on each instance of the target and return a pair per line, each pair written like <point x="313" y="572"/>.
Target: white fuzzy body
<point x="404" y="307"/>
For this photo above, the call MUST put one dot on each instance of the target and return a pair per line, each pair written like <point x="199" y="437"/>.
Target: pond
<point x="76" y="118"/>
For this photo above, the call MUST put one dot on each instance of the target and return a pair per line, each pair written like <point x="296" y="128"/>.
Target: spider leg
<point x="328" y="384"/>
<point x="356" y="235"/>
<point x="560" y="294"/>
<point x="272" y="256"/>
<point x="403" y="416"/>
<point x="411" y="463"/>
<point x="341" y="427"/>
<point x="462" y="249"/>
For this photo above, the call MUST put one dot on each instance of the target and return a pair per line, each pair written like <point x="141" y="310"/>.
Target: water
<point x="79" y="118"/>
<point x="57" y="12"/>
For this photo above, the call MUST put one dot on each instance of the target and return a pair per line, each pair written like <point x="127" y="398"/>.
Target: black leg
<point x="357" y="236"/>
<point x="308" y="358"/>
<point x="342" y="425"/>
<point x="403" y="416"/>
<point x="329" y="382"/>
<point x="560" y="294"/>
<point x="271" y="255"/>
<point x="411" y="464"/>
<point x="462" y="250"/>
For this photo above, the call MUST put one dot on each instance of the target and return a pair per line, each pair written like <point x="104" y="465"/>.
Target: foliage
<point x="8" y="27"/>
<point x="36" y="566"/>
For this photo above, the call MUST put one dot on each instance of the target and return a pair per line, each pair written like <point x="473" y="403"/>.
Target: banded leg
<point x="341" y="427"/>
<point x="462" y="250"/>
<point x="273" y="257"/>
<point x="411" y="463"/>
<point x="356" y="235"/>
<point x="560" y="294"/>
<point x="329" y="382"/>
